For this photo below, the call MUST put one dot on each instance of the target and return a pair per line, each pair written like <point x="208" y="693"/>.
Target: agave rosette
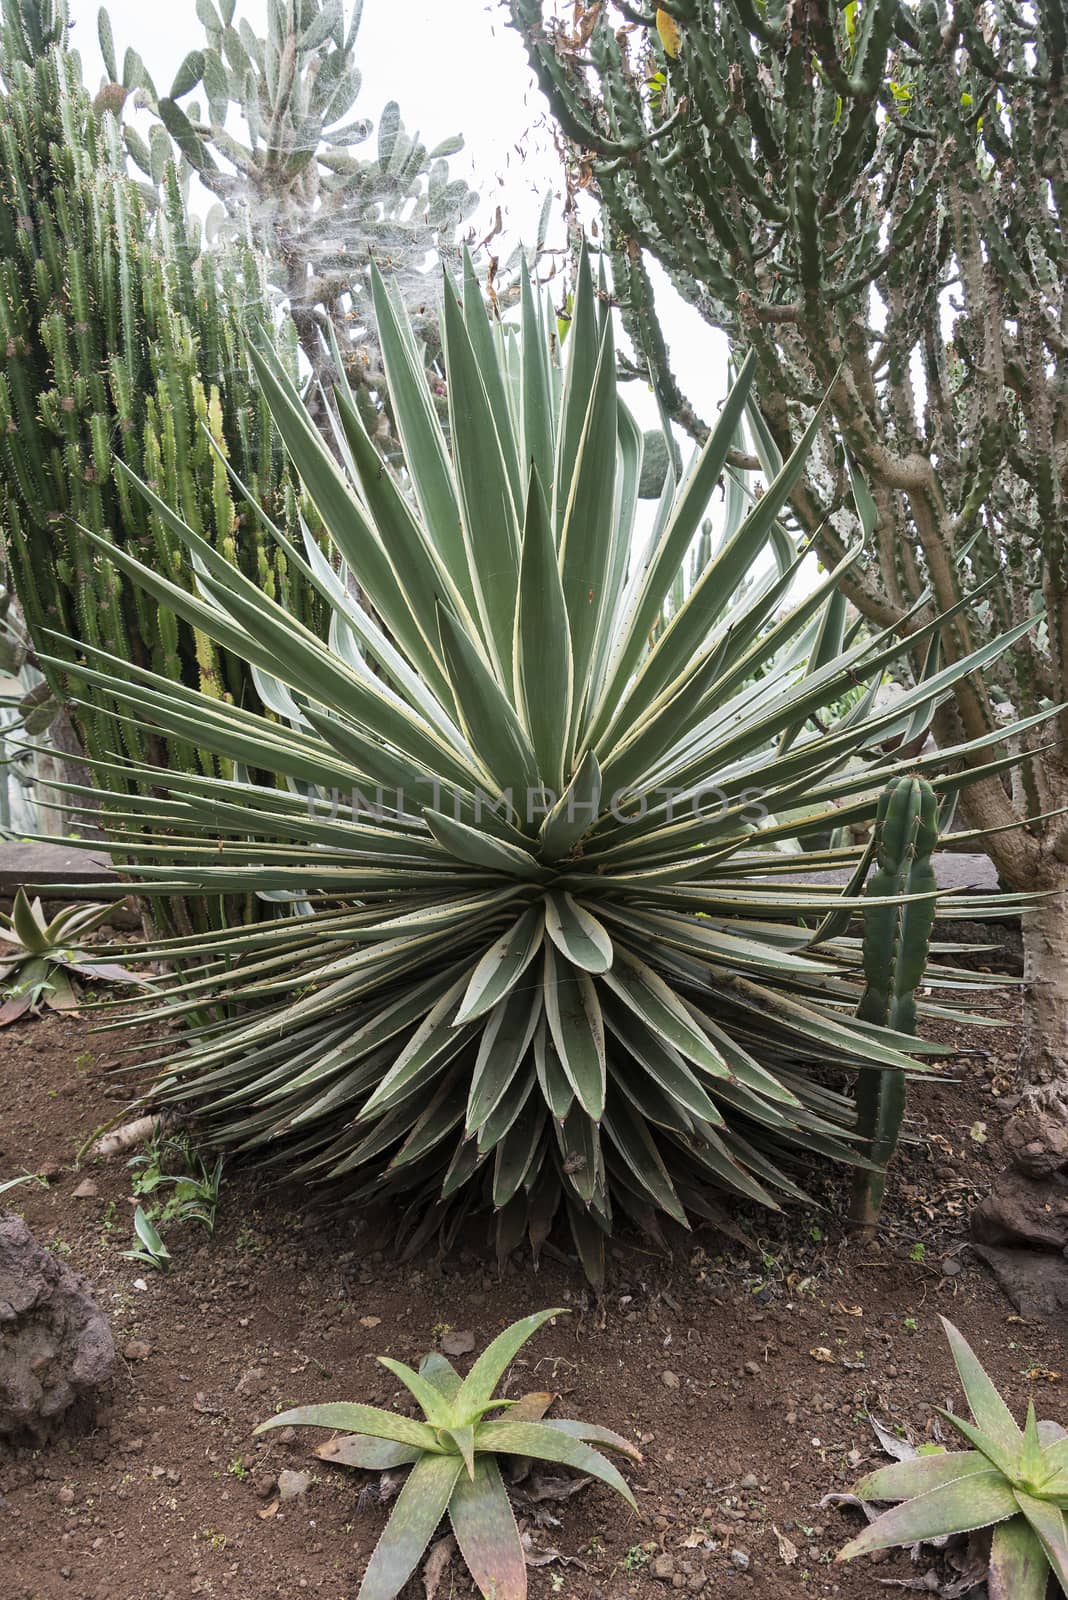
<point x="42" y="957"/>
<point x="606" y="994"/>
<point x="1013" y="1480"/>
<point x="452" y="1454"/>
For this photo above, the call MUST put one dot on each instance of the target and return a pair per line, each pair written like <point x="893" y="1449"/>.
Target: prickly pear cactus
<point x="896" y="944"/>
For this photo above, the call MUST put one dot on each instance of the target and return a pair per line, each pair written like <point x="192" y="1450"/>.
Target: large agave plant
<point x="533" y="956"/>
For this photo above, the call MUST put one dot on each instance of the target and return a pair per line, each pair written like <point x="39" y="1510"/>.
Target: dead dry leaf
<point x="821" y="1353"/>
<point x="836" y="1499"/>
<point x="668" y="29"/>
<point x="788" y="1551"/>
<point x="531" y="1407"/>
<point x="547" y="1554"/>
<point x="892" y="1443"/>
<point x="553" y="1488"/>
<point x="437" y="1564"/>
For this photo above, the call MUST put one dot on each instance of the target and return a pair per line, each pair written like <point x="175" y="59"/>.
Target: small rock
<point x="252" y="1382"/>
<point x="49" y="1170"/>
<point x="753" y="1368"/>
<point x="66" y="1496"/>
<point x="56" y="1346"/>
<point x="264" y="1483"/>
<point x="136" y="1350"/>
<point x="750" y="1481"/>
<point x="670" y="1380"/>
<point x="663" y="1567"/>
<point x="292" y="1484"/>
<point x="458" y="1342"/>
<point x="370" y="1322"/>
<point x="950" y="1267"/>
<point x="740" y="1559"/>
<point x="86" y="1190"/>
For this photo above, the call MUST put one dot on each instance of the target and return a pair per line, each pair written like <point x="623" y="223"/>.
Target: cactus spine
<point x="896" y="943"/>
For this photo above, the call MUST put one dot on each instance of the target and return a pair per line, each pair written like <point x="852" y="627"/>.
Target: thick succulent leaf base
<point x="485" y="1528"/>
<point x="1018" y="1566"/>
<point x="420" y="1506"/>
<point x="535" y="948"/>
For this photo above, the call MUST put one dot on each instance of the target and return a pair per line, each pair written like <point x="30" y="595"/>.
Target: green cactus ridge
<point x="121" y="339"/>
<point x="897" y="937"/>
<point x="896" y="944"/>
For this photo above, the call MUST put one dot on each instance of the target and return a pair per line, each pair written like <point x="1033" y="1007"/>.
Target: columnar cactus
<point x="897" y="936"/>
<point x="120" y="339"/>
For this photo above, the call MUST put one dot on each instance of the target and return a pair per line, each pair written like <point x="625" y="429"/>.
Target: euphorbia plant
<point x="453" y="1459"/>
<point x="1013" y="1480"/>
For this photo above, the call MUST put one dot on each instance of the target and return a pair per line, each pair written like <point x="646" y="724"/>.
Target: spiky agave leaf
<point x="1013" y="1481"/>
<point x="484" y="1524"/>
<point x="453" y="1458"/>
<point x="544" y="963"/>
<point x="1018" y="1566"/>
<point x="36" y="956"/>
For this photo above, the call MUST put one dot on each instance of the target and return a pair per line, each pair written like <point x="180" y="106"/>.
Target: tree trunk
<point x="1020" y="1229"/>
<point x="1045" y="936"/>
<point x="1036" y="1136"/>
<point x="59" y="759"/>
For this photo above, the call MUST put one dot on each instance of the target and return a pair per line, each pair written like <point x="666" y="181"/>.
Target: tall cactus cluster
<point x="897" y="938"/>
<point x="861" y="194"/>
<point x="120" y="339"/>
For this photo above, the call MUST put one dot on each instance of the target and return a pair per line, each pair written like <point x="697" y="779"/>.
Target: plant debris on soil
<point x="748" y="1379"/>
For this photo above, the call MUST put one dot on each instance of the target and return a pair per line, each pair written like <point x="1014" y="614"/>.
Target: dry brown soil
<point x="746" y="1379"/>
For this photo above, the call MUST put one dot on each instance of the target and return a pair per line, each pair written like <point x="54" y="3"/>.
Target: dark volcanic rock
<point x="1021" y="1232"/>
<point x="1036" y="1139"/>
<point x="1024" y="1212"/>
<point x="1036" y="1281"/>
<point x="56" y="1348"/>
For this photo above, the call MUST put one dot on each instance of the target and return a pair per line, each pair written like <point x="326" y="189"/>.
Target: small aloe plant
<point x="1013" y="1480"/>
<point x="453" y="1458"/>
<point x="37" y="969"/>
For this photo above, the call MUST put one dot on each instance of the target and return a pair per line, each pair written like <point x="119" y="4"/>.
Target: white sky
<point x="454" y="67"/>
